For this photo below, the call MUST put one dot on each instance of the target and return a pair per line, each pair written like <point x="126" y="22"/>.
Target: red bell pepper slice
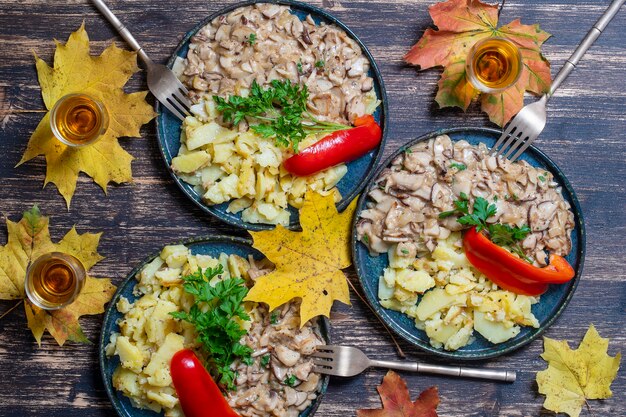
<point x="511" y="272"/>
<point x="198" y="394"/>
<point x="340" y="146"/>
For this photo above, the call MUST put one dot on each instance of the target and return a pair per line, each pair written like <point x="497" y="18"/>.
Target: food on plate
<point x="514" y="217"/>
<point x="268" y="86"/>
<point x="260" y="359"/>
<point x="224" y="60"/>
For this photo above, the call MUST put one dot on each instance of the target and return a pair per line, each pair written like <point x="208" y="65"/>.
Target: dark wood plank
<point x="585" y="137"/>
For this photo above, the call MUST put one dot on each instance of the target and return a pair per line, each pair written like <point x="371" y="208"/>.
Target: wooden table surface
<point x="584" y="136"/>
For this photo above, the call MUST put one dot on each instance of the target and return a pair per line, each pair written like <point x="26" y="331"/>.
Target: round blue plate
<point x="359" y="171"/>
<point x="552" y="303"/>
<point x="212" y="246"/>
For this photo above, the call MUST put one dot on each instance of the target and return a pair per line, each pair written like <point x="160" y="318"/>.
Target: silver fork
<point x="349" y="361"/>
<point x="530" y="121"/>
<point x="162" y="82"/>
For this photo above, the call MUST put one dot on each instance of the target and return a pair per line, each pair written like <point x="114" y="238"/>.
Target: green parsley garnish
<point x="290" y="380"/>
<point x="404" y="251"/>
<point x="213" y="316"/>
<point x="365" y="239"/>
<point x="460" y="206"/>
<point x="274" y="318"/>
<point x="320" y="64"/>
<point x="408" y="151"/>
<point x="252" y="38"/>
<point x="278" y="112"/>
<point x="500" y="234"/>
<point x="541" y="178"/>
<point x="265" y="360"/>
<point x="299" y="66"/>
<point x="481" y="211"/>
<point x="512" y="197"/>
<point x="458" y="166"/>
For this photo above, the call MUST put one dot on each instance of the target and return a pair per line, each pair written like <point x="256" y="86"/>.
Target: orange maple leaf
<point x="462" y="23"/>
<point x="396" y="400"/>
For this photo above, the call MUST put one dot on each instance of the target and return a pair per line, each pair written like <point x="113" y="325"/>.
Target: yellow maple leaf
<point x="102" y="77"/>
<point x="308" y="263"/>
<point x="575" y="376"/>
<point x="30" y="238"/>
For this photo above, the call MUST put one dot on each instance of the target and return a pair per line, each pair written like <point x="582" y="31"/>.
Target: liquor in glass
<point x="54" y="280"/>
<point x="78" y="120"/>
<point x="494" y="64"/>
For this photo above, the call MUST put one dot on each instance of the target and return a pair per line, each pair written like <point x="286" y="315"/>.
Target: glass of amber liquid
<point x="494" y="64"/>
<point x="78" y="120"/>
<point x="54" y="280"/>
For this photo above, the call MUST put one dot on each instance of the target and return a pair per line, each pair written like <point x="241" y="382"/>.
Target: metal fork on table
<point x="349" y="361"/>
<point x="530" y="121"/>
<point x="162" y="82"/>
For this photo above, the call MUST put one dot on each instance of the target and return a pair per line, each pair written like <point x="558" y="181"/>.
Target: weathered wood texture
<point x="585" y="136"/>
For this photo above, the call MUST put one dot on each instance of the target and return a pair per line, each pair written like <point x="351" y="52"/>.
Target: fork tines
<point x="510" y="140"/>
<point x="323" y="359"/>
<point x="178" y="102"/>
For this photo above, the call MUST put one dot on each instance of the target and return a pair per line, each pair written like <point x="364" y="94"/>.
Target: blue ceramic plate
<point x="212" y="246"/>
<point x="552" y="303"/>
<point x="359" y="171"/>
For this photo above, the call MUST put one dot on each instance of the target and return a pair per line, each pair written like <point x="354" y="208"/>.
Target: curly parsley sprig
<point x="500" y="234"/>
<point x="213" y="315"/>
<point x="279" y="112"/>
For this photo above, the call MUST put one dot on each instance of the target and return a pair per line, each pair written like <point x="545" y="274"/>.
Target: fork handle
<point x="457" y="371"/>
<point x="586" y="43"/>
<point x="124" y="33"/>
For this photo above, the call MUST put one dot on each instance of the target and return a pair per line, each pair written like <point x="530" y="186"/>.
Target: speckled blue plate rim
<point x="375" y="71"/>
<point x="111" y="310"/>
<point x="579" y="229"/>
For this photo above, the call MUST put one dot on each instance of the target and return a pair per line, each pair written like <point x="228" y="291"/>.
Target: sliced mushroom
<point x="287" y="356"/>
<point x="540" y="215"/>
<point x="405" y="181"/>
<point x="357" y="67"/>
<point x="416" y="161"/>
<point x="269" y="10"/>
<point x="279" y="371"/>
<point x="303" y="370"/>
<point x="223" y="33"/>
<point x="440" y="196"/>
<point x="310" y="384"/>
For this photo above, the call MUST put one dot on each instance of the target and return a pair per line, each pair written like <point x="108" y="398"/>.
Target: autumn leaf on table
<point x="462" y="23"/>
<point x="102" y="77"/>
<point x="29" y="239"/>
<point x="308" y="263"/>
<point x="575" y="376"/>
<point x="396" y="400"/>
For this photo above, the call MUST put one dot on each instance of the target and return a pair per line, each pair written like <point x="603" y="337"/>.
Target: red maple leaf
<point x="397" y="401"/>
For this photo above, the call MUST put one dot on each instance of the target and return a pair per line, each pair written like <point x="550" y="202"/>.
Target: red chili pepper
<point x="511" y="272"/>
<point x="340" y="146"/>
<point x="199" y="395"/>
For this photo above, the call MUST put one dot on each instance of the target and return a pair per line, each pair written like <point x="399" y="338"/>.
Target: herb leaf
<point x="213" y="316"/>
<point x="481" y="212"/>
<point x="290" y="380"/>
<point x="500" y="234"/>
<point x="277" y="112"/>
<point x="252" y="38"/>
<point x="458" y="166"/>
<point x="274" y="317"/>
<point x="265" y="360"/>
